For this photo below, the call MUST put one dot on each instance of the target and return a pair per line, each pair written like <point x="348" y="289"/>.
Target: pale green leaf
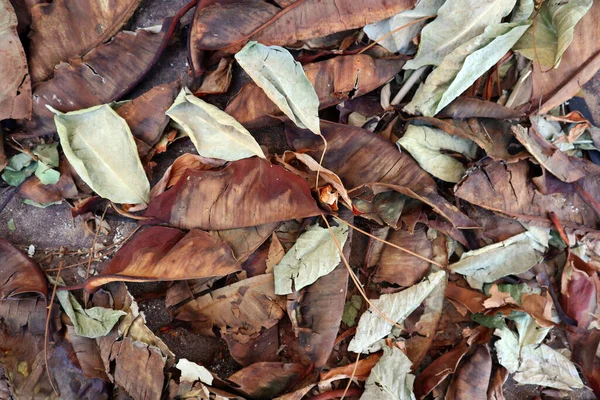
<point x="276" y="72"/>
<point x="458" y="22"/>
<point x="463" y="66"/>
<point x="390" y="378"/>
<point x="11" y="225"/>
<point x="514" y="255"/>
<point x="554" y="28"/>
<point x="46" y="174"/>
<point x="397" y="307"/>
<point x="401" y="41"/>
<point x="92" y="323"/>
<point x="215" y="133"/>
<point x="314" y="255"/>
<point x="19" y="168"/>
<point x="100" y="147"/>
<point x="523" y="10"/>
<point x="351" y="310"/>
<point x="430" y="147"/>
<point x="48" y="154"/>
<point x="40" y="205"/>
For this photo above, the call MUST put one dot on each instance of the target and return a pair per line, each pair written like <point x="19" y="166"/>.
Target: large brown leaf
<point x="59" y="34"/>
<point x="471" y="380"/>
<point x="508" y="189"/>
<point x="360" y="158"/>
<point x="578" y="65"/>
<point x="335" y="80"/>
<point x="100" y="76"/>
<point x="166" y="254"/>
<point x="246" y="193"/>
<point x="15" y="84"/>
<point x="18" y="273"/>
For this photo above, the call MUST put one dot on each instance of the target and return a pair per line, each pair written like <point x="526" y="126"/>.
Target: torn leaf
<point x="91" y="323"/>
<point x="100" y="147"/>
<point x="396" y="306"/>
<point x="390" y="379"/>
<point x="214" y="133"/>
<point x="284" y="81"/>
<point x="430" y="147"/>
<point x="314" y="254"/>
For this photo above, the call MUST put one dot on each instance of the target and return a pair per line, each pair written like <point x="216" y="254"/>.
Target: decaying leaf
<point x="397" y="307"/>
<point x="470" y="381"/>
<point x="335" y="80"/>
<point x="429" y="147"/>
<point x="92" y="322"/>
<point x="246" y="193"/>
<point x="454" y="26"/>
<point x="512" y="256"/>
<point x="51" y="43"/>
<point x="217" y="81"/>
<point x="166" y="254"/>
<point x="314" y="254"/>
<point x="390" y="379"/>
<point x="15" y="84"/>
<point x="554" y="31"/>
<point x="460" y="68"/>
<point x="18" y="273"/>
<point x="214" y="133"/>
<point x="283" y="80"/>
<point x="266" y="380"/>
<point x="100" y="146"/>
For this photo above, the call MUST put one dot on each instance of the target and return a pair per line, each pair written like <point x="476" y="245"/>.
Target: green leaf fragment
<point x="351" y="310"/>
<point x="93" y="322"/>
<point x="11" y="225"/>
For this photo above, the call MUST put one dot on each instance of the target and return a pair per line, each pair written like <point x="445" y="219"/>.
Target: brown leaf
<point x="473" y="107"/>
<point x="472" y="378"/>
<point x="580" y="289"/>
<point x="244" y="241"/>
<point x="266" y="380"/>
<point x="102" y="75"/>
<point x="166" y="254"/>
<point x="362" y="371"/>
<point x="19" y="314"/>
<point x="471" y="299"/>
<point x="18" y="273"/>
<point x="579" y="64"/>
<point x="217" y="81"/>
<point x="15" y="84"/>
<point x="58" y="33"/>
<point x="245" y="193"/>
<point x="88" y="355"/>
<point x="350" y="156"/>
<point x="400" y="268"/>
<point x="34" y="189"/>
<point x="334" y="80"/>
<point x="495" y="391"/>
<point x="507" y="188"/>
<point x="262" y="348"/>
<point x="145" y="114"/>
<point x="438" y="370"/>
<point x="241" y="310"/>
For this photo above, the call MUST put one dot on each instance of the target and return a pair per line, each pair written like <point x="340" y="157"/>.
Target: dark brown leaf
<point x="350" y="156"/>
<point x="166" y="254"/>
<point x="262" y="348"/>
<point x="19" y="314"/>
<point x="495" y="391"/>
<point x="218" y="80"/>
<point x="473" y="107"/>
<point x="472" y="378"/>
<point x="438" y="370"/>
<point x="267" y="380"/>
<point x="15" y="84"/>
<point x="19" y="274"/>
<point x="58" y="33"/>
<point x="334" y="80"/>
<point x="245" y="193"/>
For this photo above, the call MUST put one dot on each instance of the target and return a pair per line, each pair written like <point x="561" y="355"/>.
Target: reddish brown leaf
<point x="246" y="193"/>
<point x="266" y="380"/>
<point x="244" y="241"/>
<point x="350" y="156"/>
<point x="362" y="371"/>
<point x="262" y="348"/>
<point x="18" y="273"/>
<point x="472" y="378"/>
<point x="438" y="370"/>
<point x="15" y="85"/>
<point x="335" y="80"/>
<point x="58" y="34"/>
<point x="167" y="254"/>
<point x="400" y="268"/>
<point x="471" y="299"/>
<point x="495" y="391"/>
<point x="580" y="288"/>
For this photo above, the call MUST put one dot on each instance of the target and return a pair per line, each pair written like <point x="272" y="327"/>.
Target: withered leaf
<point x="245" y="193"/>
<point x="266" y="380"/>
<point x="334" y="80"/>
<point x="166" y="254"/>
<point x="471" y="379"/>
<point x="58" y="34"/>
<point x="15" y="84"/>
<point x="218" y="80"/>
<point x="241" y="310"/>
<point x="18" y="273"/>
<point x="390" y="379"/>
<point x="347" y="156"/>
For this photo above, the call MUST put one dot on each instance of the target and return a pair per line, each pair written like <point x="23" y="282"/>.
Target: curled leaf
<point x="92" y="322"/>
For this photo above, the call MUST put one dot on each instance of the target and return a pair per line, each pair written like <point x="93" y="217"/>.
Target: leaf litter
<point x="335" y="178"/>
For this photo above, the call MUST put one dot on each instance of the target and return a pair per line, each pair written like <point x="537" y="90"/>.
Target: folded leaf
<point x="397" y="307"/>
<point x="283" y="80"/>
<point x="463" y="66"/>
<point x="91" y="323"/>
<point x="100" y="147"/>
<point x="214" y="133"/>
<point x="390" y="378"/>
<point x="511" y="256"/>
<point x="18" y="273"/>
<point x="402" y="40"/>
<point x="458" y="22"/>
<point x="554" y="31"/>
<point x="430" y="147"/>
<point x="314" y="254"/>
